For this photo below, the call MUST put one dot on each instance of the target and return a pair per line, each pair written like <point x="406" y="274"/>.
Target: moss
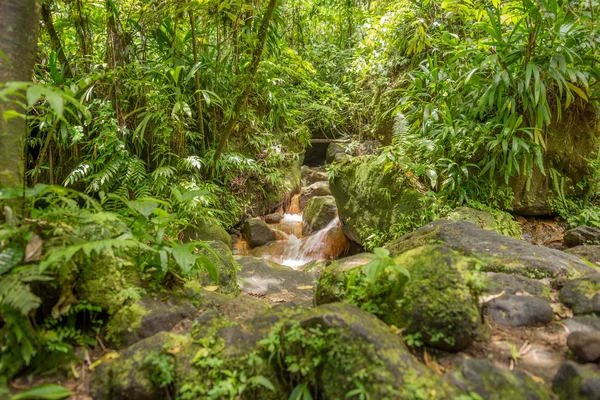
<point x="437" y="301"/>
<point x="319" y="212"/>
<point x="372" y="201"/>
<point x="226" y="267"/>
<point x="127" y="319"/>
<point x="207" y="230"/>
<point x="102" y="282"/>
<point x="495" y="220"/>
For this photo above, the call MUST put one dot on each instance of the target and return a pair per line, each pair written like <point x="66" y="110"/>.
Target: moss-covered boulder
<point x="333" y="349"/>
<point x="371" y="199"/>
<point x="130" y="377"/>
<point x="499" y="221"/>
<point x="227" y="268"/>
<point x="494" y="383"/>
<point x="577" y="382"/>
<point x="105" y="281"/>
<point x="571" y="143"/>
<point x="498" y="253"/>
<point x="590" y="253"/>
<point x="207" y="230"/>
<point x="335" y="152"/>
<point x="582" y="295"/>
<point x="319" y="212"/>
<point x="436" y="304"/>
<point x="146" y="317"/>
<point x="320" y="188"/>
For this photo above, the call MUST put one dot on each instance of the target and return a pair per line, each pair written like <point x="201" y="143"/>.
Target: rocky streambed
<point x="483" y="315"/>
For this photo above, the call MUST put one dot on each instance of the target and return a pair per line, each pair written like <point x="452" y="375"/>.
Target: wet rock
<point x="316" y="189"/>
<point x="319" y="212"/>
<point x="581" y="235"/>
<point x="577" y="382"/>
<point x="588" y="253"/>
<point x="583" y="323"/>
<point x="147" y="317"/>
<point x="494" y="383"/>
<point x="435" y="302"/>
<point x="371" y="200"/>
<point x="207" y="230"/>
<point x="310" y="176"/>
<point x="514" y="310"/>
<point x="585" y="345"/>
<point x="274" y="218"/>
<point x="515" y="284"/>
<point x="274" y="282"/>
<point x="257" y="233"/>
<point x="582" y="295"/>
<point x="499" y="253"/>
<point x="335" y="152"/>
<point x="498" y="221"/>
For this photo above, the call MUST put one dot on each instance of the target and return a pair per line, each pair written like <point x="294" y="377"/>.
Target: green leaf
<point x="184" y="257"/>
<point x="34" y="93"/>
<point x="11" y="257"/>
<point x="381" y="253"/>
<point x="209" y="266"/>
<point x="146" y="208"/>
<point x="45" y="391"/>
<point x="262" y="381"/>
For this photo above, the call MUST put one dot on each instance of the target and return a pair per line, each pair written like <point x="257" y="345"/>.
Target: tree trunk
<point x="55" y="43"/>
<point x="19" y="21"/>
<point x="200" y="112"/>
<point x="247" y="80"/>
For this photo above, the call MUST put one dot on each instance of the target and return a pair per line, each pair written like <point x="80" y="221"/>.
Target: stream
<point x="291" y="248"/>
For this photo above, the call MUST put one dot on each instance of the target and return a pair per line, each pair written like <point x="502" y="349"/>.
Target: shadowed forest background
<point x="320" y="157"/>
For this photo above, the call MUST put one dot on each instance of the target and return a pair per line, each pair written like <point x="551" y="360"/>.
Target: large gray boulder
<point x="581" y="235"/>
<point x="498" y="252"/>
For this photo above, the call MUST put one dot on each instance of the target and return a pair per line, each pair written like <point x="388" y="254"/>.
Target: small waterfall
<point x="297" y="251"/>
<point x="294" y="208"/>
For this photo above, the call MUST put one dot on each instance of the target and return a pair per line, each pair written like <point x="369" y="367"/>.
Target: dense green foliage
<point x="130" y="99"/>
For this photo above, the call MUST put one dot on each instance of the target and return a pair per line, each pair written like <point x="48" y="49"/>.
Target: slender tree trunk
<point x="55" y="43"/>
<point x="19" y="21"/>
<point x="246" y="83"/>
<point x="200" y="111"/>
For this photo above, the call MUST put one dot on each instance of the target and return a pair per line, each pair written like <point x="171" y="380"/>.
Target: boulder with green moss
<point x="207" y="230"/>
<point x="499" y="221"/>
<point x="105" y="281"/>
<point x="436" y="305"/>
<point x="582" y="295"/>
<point x="498" y="253"/>
<point x="577" y="382"/>
<point x="334" y="349"/>
<point x="147" y="317"/>
<point x="319" y="212"/>
<point x="227" y="268"/>
<point x="490" y="382"/>
<point x="320" y="188"/>
<point x="372" y="199"/>
<point x="570" y="143"/>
